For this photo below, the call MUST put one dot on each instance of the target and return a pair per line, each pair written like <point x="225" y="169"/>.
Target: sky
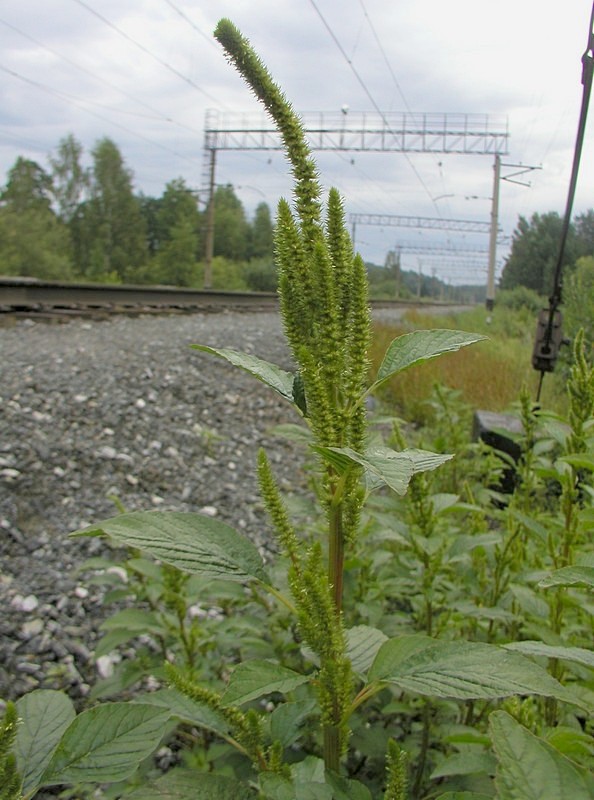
<point x="146" y="72"/>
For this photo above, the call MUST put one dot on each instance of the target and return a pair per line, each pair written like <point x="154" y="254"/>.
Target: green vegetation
<point x="419" y="634"/>
<point x="491" y="375"/>
<point x="74" y="223"/>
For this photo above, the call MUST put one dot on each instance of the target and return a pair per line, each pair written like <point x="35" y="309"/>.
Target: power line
<point x="368" y="93"/>
<point x="148" y="52"/>
<point x="69" y="99"/>
<point x="208" y="38"/>
<point x="385" y="57"/>
<point x="99" y="78"/>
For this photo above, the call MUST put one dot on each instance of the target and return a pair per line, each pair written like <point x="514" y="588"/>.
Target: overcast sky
<point x="145" y="72"/>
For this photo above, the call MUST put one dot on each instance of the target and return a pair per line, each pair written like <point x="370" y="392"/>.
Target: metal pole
<point x="210" y="223"/>
<point x="490" y="299"/>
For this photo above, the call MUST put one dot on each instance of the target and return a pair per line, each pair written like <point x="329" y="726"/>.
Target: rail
<point x="31" y="297"/>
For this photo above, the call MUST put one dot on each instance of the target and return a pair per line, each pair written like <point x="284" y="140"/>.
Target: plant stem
<point x="336" y="557"/>
<point x="424" y="748"/>
<point x="332" y="748"/>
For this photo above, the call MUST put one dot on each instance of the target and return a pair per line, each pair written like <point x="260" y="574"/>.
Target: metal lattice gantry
<point x="392" y="132"/>
<point x="435" y="251"/>
<point x="435" y="223"/>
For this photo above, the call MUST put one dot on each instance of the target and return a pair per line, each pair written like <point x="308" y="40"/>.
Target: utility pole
<point x="210" y="222"/>
<point x="497" y="177"/>
<point x="490" y="298"/>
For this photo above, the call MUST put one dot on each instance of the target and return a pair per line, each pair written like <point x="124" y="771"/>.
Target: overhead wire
<point x="99" y="78"/>
<point x="187" y="19"/>
<point x="148" y="52"/>
<point x="69" y="99"/>
<point x="368" y="94"/>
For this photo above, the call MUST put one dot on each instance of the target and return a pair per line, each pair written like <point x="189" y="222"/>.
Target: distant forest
<point x="68" y="222"/>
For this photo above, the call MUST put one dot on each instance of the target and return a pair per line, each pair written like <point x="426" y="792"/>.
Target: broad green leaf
<point x="577" y="655"/>
<point x="112" y="640"/>
<point x="192" y="542"/>
<point x="134" y="620"/>
<point x="186" y="709"/>
<point x="396" y="651"/>
<point x="278" y="379"/>
<point x="470" y="609"/>
<point x="532" y="526"/>
<point x="275" y="787"/>
<point x="294" y="433"/>
<point x="464" y="796"/>
<point x="420" y="346"/>
<point x="383" y="465"/>
<point x="463" y="670"/>
<point x="106" y="743"/>
<point x="531" y="769"/>
<point x="580" y="460"/>
<point x="185" y="784"/>
<point x="570" y="576"/>
<point x="286" y="719"/>
<point x="467" y="543"/>
<point x="45" y="714"/>
<point x="252" y="679"/>
<point x="466" y="763"/>
<point x="347" y="789"/>
<point x="363" y="642"/>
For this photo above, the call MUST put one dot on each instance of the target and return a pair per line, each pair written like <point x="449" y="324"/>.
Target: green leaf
<point x="468" y="762"/>
<point x="106" y="743"/>
<point x="293" y="433"/>
<point x="384" y="466"/>
<point x="286" y="719"/>
<point x="252" y="679"/>
<point x="463" y="670"/>
<point x="276" y="378"/>
<point x="577" y="655"/>
<point x="420" y="346"/>
<point x="183" y="784"/>
<point x="363" y="643"/>
<point x="569" y="576"/>
<point x="579" y="460"/>
<point x="531" y="769"/>
<point x="186" y="709"/>
<point x="275" y="787"/>
<point x="192" y="542"/>
<point x="134" y="620"/>
<point x="464" y="796"/>
<point x="396" y="651"/>
<point x="112" y="640"/>
<point x="45" y="715"/>
<point x="347" y="789"/>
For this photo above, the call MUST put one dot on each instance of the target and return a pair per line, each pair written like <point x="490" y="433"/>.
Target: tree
<point x="33" y="241"/>
<point x="28" y="187"/>
<point x="176" y="261"/>
<point x="578" y="301"/>
<point x="584" y="231"/>
<point x="262" y="233"/>
<point x="231" y="227"/>
<point x="70" y="180"/>
<point x="116" y="225"/>
<point x="534" y="253"/>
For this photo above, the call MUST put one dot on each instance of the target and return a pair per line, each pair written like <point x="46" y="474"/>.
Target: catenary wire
<point x="369" y="96"/>
<point x="99" y="78"/>
<point x="148" y="52"/>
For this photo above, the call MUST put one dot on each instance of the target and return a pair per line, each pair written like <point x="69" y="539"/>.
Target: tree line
<point x="71" y="222"/>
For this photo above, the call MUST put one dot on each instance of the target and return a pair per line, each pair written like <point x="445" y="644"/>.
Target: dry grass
<point x="489" y="375"/>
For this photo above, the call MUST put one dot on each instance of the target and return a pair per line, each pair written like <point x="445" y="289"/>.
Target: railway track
<point x="54" y="300"/>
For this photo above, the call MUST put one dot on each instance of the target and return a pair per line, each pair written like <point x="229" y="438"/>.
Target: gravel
<point x="122" y="408"/>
